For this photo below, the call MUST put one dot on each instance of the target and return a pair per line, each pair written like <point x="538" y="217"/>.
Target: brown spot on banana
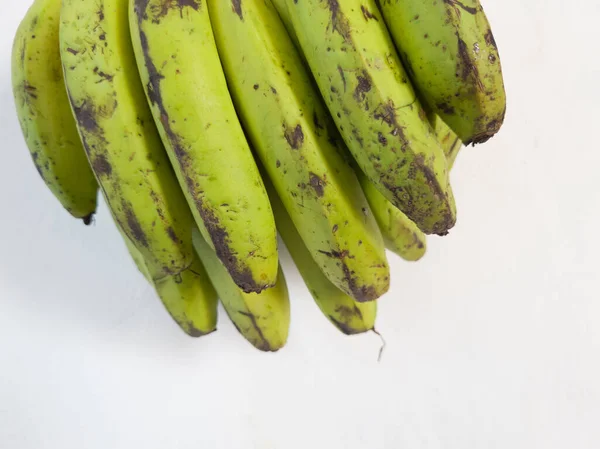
<point x="457" y="4"/>
<point x="364" y="85"/>
<point x="294" y="136"/>
<point x="236" y="5"/>
<point x="368" y="15"/>
<point x="136" y="231"/>
<point x="101" y="165"/>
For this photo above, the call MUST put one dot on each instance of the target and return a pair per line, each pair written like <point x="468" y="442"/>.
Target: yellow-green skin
<point x="293" y="134"/>
<point x="450" y="142"/>
<point x="449" y="50"/>
<point x="187" y="91"/>
<point x="400" y="233"/>
<point x="119" y="135"/>
<point x="262" y="318"/>
<point x="349" y="316"/>
<point x="189" y="297"/>
<point x="368" y="93"/>
<point x="45" y="114"/>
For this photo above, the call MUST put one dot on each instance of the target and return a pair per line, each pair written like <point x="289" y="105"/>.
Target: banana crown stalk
<point x="45" y="114"/>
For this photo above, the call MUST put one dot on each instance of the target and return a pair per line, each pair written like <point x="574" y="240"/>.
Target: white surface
<point x="493" y="340"/>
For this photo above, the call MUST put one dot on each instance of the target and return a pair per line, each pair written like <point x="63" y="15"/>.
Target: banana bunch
<point x="210" y="127"/>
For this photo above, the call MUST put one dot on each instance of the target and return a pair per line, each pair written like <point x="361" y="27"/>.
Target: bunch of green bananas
<point x="211" y="125"/>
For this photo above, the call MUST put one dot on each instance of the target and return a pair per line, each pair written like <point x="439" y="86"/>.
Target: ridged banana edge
<point x="44" y="112"/>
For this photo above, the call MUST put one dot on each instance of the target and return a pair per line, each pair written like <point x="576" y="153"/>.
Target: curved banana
<point x="290" y="130"/>
<point x="44" y="112"/>
<point x="189" y="297"/>
<point x="375" y="107"/>
<point x="262" y="318"/>
<point x="399" y="232"/>
<point x="126" y="154"/>
<point x="349" y="316"/>
<point x="186" y="88"/>
<point x="451" y="55"/>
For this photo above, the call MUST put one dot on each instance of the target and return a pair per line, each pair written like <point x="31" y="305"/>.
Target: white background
<point x="493" y="340"/>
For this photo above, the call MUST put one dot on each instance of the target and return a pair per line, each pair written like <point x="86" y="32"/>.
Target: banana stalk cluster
<point x="212" y="126"/>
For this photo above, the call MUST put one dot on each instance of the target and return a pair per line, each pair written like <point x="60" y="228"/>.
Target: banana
<point x="44" y="112"/>
<point x="400" y="234"/>
<point x="290" y="130"/>
<point x="375" y="107"/>
<point x="189" y="297"/>
<point x="186" y="88"/>
<point x="127" y="156"/>
<point x="451" y="55"/>
<point x="262" y="318"/>
<point x="347" y="315"/>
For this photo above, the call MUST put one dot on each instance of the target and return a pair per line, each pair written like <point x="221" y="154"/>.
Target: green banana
<point x="262" y="318"/>
<point x="400" y="234"/>
<point x="127" y="156"/>
<point x="189" y="297"/>
<point x="349" y="316"/>
<point x="290" y="130"/>
<point x="451" y="55"/>
<point x="44" y="112"/>
<point x="187" y="91"/>
<point x="375" y="107"/>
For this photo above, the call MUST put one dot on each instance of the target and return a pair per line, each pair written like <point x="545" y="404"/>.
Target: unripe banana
<point x="262" y="318"/>
<point x="189" y="297"/>
<point x="450" y="53"/>
<point x="375" y="107"/>
<point x="289" y="128"/>
<point x="349" y="316"/>
<point x="400" y="234"/>
<point x="186" y="88"/>
<point x="44" y="112"/>
<point x="126" y="153"/>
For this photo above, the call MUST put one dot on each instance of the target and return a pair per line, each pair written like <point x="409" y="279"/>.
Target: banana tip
<point x="88" y="219"/>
